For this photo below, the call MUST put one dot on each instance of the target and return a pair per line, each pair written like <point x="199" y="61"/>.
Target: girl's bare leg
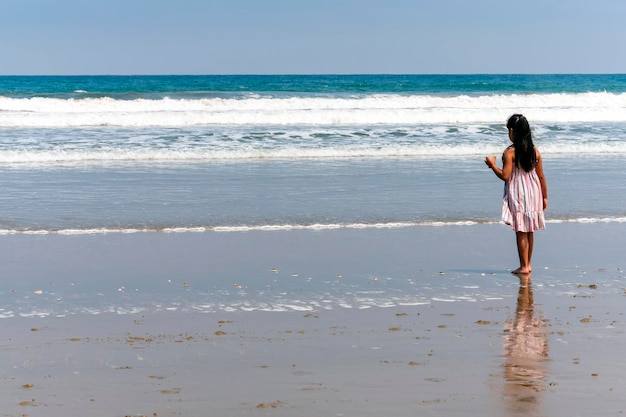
<point x="523" y="250"/>
<point x="531" y="243"/>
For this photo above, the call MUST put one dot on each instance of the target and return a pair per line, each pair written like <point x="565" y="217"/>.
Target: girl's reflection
<point x="526" y="353"/>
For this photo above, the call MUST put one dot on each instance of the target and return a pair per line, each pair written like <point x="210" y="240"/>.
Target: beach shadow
<point x="485" y="272"/>
<point x="526" y="355"/>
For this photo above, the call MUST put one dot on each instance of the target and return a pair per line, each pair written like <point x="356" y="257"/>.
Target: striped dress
<point x="522" y="207"/>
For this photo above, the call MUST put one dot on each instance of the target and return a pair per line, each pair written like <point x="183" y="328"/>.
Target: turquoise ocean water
<point x="91" y="155"/>
<point x="86" y="154"/>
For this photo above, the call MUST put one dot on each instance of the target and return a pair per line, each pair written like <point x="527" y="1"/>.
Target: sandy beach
<point x="490" y="344"/>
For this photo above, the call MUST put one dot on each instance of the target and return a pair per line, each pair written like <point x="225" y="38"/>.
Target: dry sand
<point x="543" y="349"/>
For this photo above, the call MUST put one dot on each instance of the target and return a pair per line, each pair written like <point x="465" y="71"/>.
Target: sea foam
<point x="366" y="110"/>
<point x="291" y="227"/>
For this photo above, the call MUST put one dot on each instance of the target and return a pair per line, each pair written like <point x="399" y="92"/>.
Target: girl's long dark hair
<point x="525" y="155"/>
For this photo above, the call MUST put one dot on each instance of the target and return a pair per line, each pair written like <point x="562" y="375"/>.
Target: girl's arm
<point x="542" y="179"/>
<point x="507" y="164"/>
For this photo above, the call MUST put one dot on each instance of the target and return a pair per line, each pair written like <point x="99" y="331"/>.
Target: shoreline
<point x="547" y="347"/>
<point x="292" y="227"/>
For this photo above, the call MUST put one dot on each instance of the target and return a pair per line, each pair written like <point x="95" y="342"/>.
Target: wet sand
<point x="551" y="345"/>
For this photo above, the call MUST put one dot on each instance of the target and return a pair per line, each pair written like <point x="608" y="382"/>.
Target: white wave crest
<point x="71" y="157"/>
<point x="369" y="110"/>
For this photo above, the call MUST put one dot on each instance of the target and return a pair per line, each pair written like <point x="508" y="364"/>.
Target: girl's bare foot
<point x="521" y="271"/>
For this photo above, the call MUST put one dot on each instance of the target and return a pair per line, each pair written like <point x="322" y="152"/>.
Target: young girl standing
<point x="525" y="188"/>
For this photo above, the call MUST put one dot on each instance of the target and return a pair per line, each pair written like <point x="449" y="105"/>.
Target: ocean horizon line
<point x="312" y="74"/>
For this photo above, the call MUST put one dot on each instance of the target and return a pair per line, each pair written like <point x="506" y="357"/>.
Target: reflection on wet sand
<point x="526" y="354"/>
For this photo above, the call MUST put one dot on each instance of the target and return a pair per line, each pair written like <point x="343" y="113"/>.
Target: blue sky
<point x="312" y="36"/>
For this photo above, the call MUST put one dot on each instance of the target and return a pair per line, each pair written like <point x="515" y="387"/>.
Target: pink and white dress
<point x="522" y="207"/>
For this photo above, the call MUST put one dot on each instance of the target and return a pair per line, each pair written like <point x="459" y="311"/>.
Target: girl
<point x="525" y="188"/>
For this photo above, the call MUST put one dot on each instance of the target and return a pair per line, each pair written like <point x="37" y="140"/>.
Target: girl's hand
<point x="490" y="161"/>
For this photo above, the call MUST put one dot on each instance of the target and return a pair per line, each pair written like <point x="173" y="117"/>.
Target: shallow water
<point x="294" y="194"/>
<point x="298" y="270"/>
